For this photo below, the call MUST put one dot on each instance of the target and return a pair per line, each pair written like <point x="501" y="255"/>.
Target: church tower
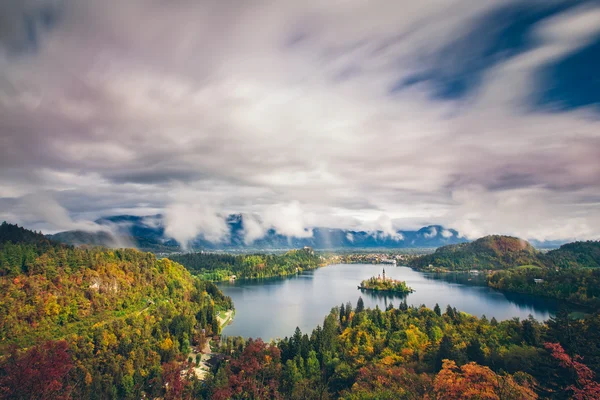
<point x="384" y="274"/>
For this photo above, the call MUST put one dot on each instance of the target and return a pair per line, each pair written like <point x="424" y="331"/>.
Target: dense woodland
<point x="576" y="285"/>
<point x="575" y="255"/>
<point x="416" y="353"/>
<point x="569" y="273"/>
<point x="97" y="323"/>
<point x="505" y="252"/>
<point x="220" y="267"/>
<point x="487" y="253"/>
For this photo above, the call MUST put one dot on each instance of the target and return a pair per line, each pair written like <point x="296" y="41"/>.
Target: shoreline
<point x="202" y="368"/>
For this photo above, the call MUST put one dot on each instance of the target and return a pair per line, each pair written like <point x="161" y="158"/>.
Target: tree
<point x="531" y="334"/>
<point x="450" y="312"/>
<point x="472" y="381"/>
<point x="313" y="368"/>
<point x="437" y="310"/>
<point x="291" y="376"/>
<point x="474" y="351"/>
<point x="444" y="352"/>
<point x="379" y="382"/>
<point x="255" y="374"/>
<point x="172" y="380"/>
<point x="40" y="373"/>
<point x="585" y="387"/>
<point x="360" y="305"/>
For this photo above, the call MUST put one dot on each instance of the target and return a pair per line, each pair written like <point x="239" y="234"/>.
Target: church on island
<point x="384" y="284"/>
<point x="380" y="278"/>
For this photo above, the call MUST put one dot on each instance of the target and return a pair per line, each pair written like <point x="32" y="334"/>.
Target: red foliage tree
<point x="255" y="374"/>
<point x="586" y="388"/>
<point x="41" y="372"/>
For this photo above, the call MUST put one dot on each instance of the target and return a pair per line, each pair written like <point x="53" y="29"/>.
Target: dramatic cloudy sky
<point x="483" y="116"/>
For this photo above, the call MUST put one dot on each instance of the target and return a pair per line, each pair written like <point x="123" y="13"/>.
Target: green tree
<point x="360" y="305"/>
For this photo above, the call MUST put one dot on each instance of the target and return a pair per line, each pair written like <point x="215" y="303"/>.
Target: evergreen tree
<point x="474" y="351"/>
<point x="444" y="352"/>
<point x="437" y="310"/>
<point x="360" y="305"/>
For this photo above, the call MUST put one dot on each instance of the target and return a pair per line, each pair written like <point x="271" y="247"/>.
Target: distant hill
<point x="148" y="233"/>
<point x="575" y="255"/>
<point x="144" y="233"/>
<point x="490" y="252"/>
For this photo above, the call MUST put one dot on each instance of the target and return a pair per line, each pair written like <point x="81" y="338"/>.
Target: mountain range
<point x="148" y="233"/>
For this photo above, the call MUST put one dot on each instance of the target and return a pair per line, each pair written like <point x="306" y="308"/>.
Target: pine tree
<point x="444" y="352"/>
<point x="360" y="305"/>
<point x="474" y="351"/>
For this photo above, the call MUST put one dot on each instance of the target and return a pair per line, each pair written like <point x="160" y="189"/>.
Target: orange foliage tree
<point x="473" y="381"/>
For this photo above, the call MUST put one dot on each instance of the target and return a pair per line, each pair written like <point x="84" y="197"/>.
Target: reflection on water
<point x="272" y="308"/>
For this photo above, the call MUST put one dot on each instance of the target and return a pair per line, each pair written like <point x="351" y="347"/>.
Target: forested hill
<point x="490" y="252"/>
<point x="10" y="233"/>
<point x="96" y="323"/>
<point x="218" y="267"/>
<point x="503" y="252"/>
<point x="575" y="255"/>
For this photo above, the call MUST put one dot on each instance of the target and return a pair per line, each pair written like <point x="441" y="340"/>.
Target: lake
<point x="272" y="308"/>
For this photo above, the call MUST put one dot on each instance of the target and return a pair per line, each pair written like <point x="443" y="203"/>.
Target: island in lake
<point x="382" y="284"/>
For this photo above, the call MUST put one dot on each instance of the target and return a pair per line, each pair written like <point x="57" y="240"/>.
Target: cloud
<point x="300" y="115"/>
<point x="184" y="222"/>
<point x="383" y="227"/>
<point x="432" y="233"/>
<point x="253" y="229"/>
<point x="447" y="234"/>
<point x="289" y="220"/>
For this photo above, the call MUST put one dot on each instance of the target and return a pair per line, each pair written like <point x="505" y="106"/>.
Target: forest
<point x="96" y="323"/>
<point x="220" y="267"/>
<point x="504" y="252"/>
<point x="416" y="353"/>
<point x="119" y="324"/>
<point x="569" y="273"/>
<point x="488" y="253"/>
<point x="576" y="285"/>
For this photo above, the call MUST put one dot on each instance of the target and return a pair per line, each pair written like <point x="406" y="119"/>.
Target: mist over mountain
<point x="148" y="233"/>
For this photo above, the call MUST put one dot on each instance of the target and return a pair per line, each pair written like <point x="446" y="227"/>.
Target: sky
<point x="478" y="115"/>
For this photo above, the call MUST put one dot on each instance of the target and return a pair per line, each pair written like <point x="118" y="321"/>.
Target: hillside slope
<point x="490" y="252"/>
<point x="575" y="255"/>
<point x="119" y="319"/>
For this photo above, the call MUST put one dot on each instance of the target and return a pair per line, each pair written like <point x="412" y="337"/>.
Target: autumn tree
<point x="41" y="372"/>
<point x="473" y="381"/>
<point x="585" y="386"/>
<point x="380" y="382"/>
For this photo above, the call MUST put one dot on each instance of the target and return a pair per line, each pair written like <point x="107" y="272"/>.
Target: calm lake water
<point x="272" y="308"/>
